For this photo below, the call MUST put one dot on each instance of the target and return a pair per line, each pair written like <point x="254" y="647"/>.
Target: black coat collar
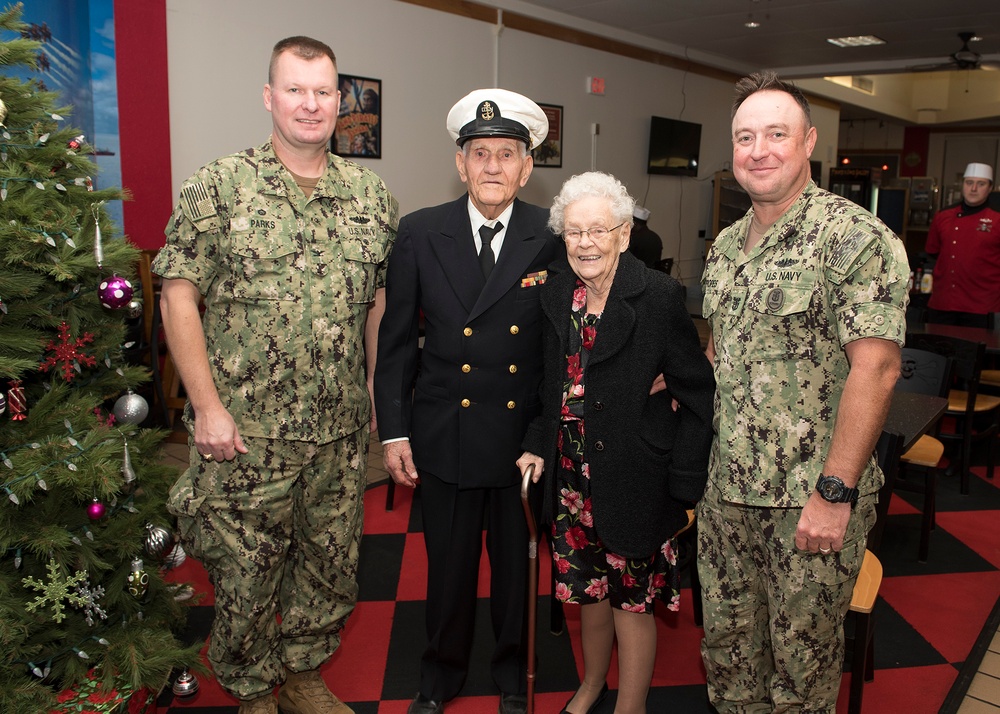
<point x="618" y="319"/>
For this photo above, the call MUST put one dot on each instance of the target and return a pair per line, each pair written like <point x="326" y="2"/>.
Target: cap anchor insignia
<point x="497" y="113"/>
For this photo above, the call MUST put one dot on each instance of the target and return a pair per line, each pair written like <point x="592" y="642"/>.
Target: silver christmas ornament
<point x="157" y="542"/>
<point x="128" y="473"/>
<point x="3" y="403"/>
<point x="131" y="408"/>
<point x="135" y="308"/>
<point x="185" y="685"/>
<point x="175" y="557"/>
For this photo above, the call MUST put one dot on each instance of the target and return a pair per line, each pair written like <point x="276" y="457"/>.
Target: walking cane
<point x="532" y="582"/>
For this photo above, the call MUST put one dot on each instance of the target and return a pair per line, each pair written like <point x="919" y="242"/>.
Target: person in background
<point x="287" y="245"/>
<point x="644" y="244"/>
<point x="965" y="241"/>
<point x="616" y="491"/>
<point x="473" y="268"/>
<point x="805" y="297"/>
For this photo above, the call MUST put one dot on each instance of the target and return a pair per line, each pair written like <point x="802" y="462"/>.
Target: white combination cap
<point x="640" y="212"/>
<point x="497" y="112"/>
<point x="983" y="171"/>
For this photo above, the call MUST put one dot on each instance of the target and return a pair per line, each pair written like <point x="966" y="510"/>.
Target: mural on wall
<point x="77" y="60"/>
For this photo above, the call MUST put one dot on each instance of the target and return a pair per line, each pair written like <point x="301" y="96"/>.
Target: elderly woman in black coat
<point x="621" y="461"/>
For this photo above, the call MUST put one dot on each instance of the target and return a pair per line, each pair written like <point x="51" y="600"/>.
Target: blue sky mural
<point x="77" y="60"/>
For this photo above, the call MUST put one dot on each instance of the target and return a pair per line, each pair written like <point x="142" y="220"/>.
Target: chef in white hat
<point x="644" y="243"/>
<point x="473" y="268"/>
<point x="965" y="240"/>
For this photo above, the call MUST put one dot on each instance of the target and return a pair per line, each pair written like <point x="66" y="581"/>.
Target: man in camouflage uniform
<point x="287" y="244"/>
<point x="805" y="297"/>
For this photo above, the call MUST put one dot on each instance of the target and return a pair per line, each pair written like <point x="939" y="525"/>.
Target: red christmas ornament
<point x="115" y="292"/>
<point x="15" y="401"/>
<point x="76" y="142"/>
<point x="96" y="510"/>
<point x="67" y="353"/>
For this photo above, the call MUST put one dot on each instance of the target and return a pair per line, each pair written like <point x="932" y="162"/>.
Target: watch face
<point x="830" y="489"/>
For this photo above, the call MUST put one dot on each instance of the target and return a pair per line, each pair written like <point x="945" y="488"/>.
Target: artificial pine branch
<point x="64" y="453"/>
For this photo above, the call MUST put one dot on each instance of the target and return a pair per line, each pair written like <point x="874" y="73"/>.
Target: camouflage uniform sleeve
<point x="866" y="271"/>
<point x="392" y="226"/>
<point x="194" y="232"/>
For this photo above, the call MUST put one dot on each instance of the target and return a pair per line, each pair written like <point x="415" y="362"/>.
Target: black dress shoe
<point x="513" y="704"/>
<point x="423" y="705"/>
<point x="593" y="707"/>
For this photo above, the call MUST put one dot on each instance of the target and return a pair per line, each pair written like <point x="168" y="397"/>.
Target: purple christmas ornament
<point x="96" y="510"/>
<point x="115" y="292"/>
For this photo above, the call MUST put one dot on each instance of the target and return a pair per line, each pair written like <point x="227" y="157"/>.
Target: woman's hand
<point x="528" y="459"/>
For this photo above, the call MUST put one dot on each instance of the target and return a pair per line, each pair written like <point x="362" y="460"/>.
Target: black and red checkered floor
<point x="928" y="618"/>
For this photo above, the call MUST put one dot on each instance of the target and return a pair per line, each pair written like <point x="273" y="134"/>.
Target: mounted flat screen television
<point x="673" y="147"/>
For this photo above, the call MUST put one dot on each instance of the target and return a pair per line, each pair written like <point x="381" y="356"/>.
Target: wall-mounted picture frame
<point x="549" y="152"/>
<point x="359" y="122"/>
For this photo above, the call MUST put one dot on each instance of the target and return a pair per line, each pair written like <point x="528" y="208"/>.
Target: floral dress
<point x="587" y="572"/>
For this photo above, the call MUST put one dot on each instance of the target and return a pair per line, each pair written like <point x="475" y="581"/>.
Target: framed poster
<point x="359" y="122"/>
<point x="549" y="152"/>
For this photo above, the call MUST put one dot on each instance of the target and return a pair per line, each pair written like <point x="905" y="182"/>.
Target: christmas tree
<point x="83" y="526"/>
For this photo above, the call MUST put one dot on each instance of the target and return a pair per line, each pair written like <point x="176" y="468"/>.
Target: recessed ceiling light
<point x="751" y="23"/>
<point x="856" y="41"/>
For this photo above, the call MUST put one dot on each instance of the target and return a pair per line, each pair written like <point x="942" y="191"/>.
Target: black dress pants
<point x="453" y="521"/>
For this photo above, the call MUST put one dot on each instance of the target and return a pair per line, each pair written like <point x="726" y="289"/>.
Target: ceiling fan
<point x="964" y="58"/>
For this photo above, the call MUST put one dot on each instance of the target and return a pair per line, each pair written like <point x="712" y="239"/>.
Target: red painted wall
<point x="144" y="118"/>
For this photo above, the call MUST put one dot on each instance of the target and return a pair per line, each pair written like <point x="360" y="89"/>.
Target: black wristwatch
<point x="834" y="490"/>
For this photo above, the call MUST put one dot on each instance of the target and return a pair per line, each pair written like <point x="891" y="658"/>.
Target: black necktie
<point x="486" y="259"/>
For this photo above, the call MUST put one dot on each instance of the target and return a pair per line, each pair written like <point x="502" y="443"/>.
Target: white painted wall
<point x="218" y="53"/>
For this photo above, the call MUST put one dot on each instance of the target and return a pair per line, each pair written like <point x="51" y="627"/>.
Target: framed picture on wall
<point x="359" y="122"/>
<point x="549" y="152"/>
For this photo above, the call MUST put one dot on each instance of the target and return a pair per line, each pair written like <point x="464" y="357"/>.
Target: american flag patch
<point x="534" y="279"/>
<point x="196" y="201"/>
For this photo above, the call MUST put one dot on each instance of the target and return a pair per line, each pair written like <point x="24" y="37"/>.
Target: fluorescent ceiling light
<point x="856" y="41"/>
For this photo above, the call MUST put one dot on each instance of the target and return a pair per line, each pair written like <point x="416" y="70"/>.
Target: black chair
<point x="975" y="414"/>
<point x="665" y="264"/>
<point x="862" y="661"/>
<point x="923" y="372"/>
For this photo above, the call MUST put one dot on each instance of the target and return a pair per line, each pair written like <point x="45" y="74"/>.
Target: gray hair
<point x="596" y="184"/>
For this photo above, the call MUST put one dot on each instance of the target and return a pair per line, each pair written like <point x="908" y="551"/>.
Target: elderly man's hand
<point x="398" y="459"/>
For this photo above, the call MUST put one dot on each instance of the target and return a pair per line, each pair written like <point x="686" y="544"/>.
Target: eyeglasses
<point x="597" y="235"/>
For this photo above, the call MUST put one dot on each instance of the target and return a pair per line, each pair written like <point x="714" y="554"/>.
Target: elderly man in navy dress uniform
<point x="473" y="268"/>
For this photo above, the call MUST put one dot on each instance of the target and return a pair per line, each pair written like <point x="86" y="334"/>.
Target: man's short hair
<point x="302" y="47"/>
<point x="768" y="81"/>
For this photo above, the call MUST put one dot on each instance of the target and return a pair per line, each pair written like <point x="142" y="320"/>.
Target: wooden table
<point x="913" y="415"/>
<point x="990" y="338"/>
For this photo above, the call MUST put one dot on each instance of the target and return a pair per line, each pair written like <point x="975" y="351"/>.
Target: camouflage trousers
<point x="774" y="615"/>
<point x="278" y="530"/>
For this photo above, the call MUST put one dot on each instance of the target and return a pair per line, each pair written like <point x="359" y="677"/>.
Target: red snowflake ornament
<point x="67" y="353"/>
